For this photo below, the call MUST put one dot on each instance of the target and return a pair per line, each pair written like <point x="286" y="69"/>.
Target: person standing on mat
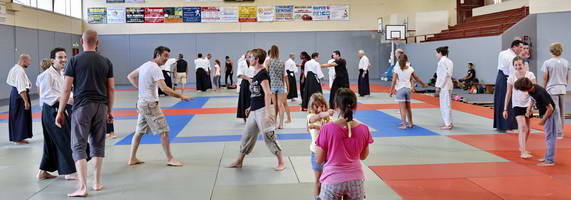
<point x="57" y="146"/>
<point x="260" y="119"/>
<point x="181" y="73"/>
<point x="341" y="79"/>
<point x="520" y="102"/>
<point x="505" y="68"/>
<point x="444" y="85"/>
<point x="364" y="65"/>
<point x="166" y="68"/>
<point x="291" y="69"/>
<point x="313" y="76"/>
<point x="278" y="82"/>
<point x="201" y="67"/>
<point x="92" y="78"/>
<point x="148" y="79"/>
<point x="245" y="74"/>
<point x="20" y="110"/>
<point x="210" y="75"/>
<point x="304" y="57"/>
<point x="229" y="73"/>
<point x="555" y="80"/>
<point x="547" y="113"/>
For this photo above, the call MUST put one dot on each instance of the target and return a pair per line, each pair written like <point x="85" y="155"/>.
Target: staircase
<point x="483" y="25"/>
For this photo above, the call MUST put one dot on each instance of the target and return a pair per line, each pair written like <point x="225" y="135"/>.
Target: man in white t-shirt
<point x="148" y="78"/>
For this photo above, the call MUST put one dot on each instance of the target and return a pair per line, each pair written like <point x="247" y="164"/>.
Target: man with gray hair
<point x="92" y="78"/>
<point x="20" y="112"/>
<point x="364" y="65"/>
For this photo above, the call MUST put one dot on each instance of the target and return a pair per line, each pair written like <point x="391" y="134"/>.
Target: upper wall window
<point x="71" y="8"/>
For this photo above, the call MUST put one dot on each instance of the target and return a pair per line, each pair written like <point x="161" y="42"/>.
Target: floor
<point x="472" y="161"/>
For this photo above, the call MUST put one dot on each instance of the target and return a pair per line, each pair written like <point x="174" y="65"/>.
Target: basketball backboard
<point x="395" y="31"/>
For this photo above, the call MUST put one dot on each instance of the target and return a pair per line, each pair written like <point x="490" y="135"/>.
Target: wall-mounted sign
<point x="248" y="14"/>
<point x="154" y="15"/>
<point x="266" y="13"/>
<point x="116" y="16"/>
<point x="229" y="14"/>
<point x="97" y="15"/>
<point x="303" y="13"/>
<point x="173" y="15"/>
<point x="284" y="13"/>
<point x="191" y="14"/>
<point x="135" y="15"/>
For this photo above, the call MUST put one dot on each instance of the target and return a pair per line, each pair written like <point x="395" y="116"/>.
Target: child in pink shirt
<point x="343" y="143"/>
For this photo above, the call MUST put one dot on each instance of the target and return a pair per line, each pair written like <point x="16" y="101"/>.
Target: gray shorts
<point x="351" y="190"/>
<point x="88" y="123"/>
<point x="151" y="118"/>
<point x="403" y="95"/>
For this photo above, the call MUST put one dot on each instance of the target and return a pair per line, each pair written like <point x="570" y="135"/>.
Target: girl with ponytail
<point x="341" y="145"/>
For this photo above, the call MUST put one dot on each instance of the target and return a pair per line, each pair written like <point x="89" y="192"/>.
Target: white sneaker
<point x="559" y="137"/>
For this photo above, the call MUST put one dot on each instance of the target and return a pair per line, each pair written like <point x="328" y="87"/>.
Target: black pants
<point x="364" y="83"/>
<point x="168" y="81"/>
<point x="19" y="119"/>
<point x="337" y="84"/>
<point x="57" y="144"/>
<point x="229" y="75"/>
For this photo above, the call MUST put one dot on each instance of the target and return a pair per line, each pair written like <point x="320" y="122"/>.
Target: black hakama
<point x="292" y="87"/>
<point x="364" y="83"/>
<point x="201" y="80"/>
<point x="312" y="85"/>
<point x="57" y="144"/>
<point x="168" y="81"/>
<point x="338" y="83"/>
<point x="500" y="91"/>
<point x="209" y="81"/>
<point x="20" y="119"/>
<point x="243" y="99"/>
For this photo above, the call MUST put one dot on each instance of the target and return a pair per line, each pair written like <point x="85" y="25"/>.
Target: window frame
<point x="67" y="11"/>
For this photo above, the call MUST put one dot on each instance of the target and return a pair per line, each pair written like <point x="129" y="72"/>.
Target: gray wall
<point x="525" y="27"/>
<point x="127" y="52"/>
<point x="543" y="29"/>
<point x="482" y="51"/>
<point x="38" y="43"/>
<point x="552" y="27"/>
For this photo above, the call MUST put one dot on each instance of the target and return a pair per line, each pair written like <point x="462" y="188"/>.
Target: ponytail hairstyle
<point x="403" y="59"/>
<point x="346" y="103"/>
<point x="442" y="50"/>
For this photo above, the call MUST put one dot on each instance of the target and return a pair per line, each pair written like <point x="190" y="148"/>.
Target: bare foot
<point x="82" y="192"/>
<point x="410" y="125"/>
<point x="111" y="136"/>
<point x="71" y="176"/>
<point x="288" y="121"/>
<point x="135" y="162"/>
<point x="97" y="187"/>
<point x="236" y="164"/>
<point x="174" y="163"/>
<point x="23" y="142"/>
<point x="403" y="127"/>
<point x="280" y="167"/>
<point x="42" y="175"/>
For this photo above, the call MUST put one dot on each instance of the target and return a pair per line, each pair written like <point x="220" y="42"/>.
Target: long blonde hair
<point x="316" y="98"/>
<point x="403" y="60"/>
<point x="46" y="63"/>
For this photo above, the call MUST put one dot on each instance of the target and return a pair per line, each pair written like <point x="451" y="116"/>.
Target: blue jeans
<point x="550" y="130"/>
<point x="314" y="165"/>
